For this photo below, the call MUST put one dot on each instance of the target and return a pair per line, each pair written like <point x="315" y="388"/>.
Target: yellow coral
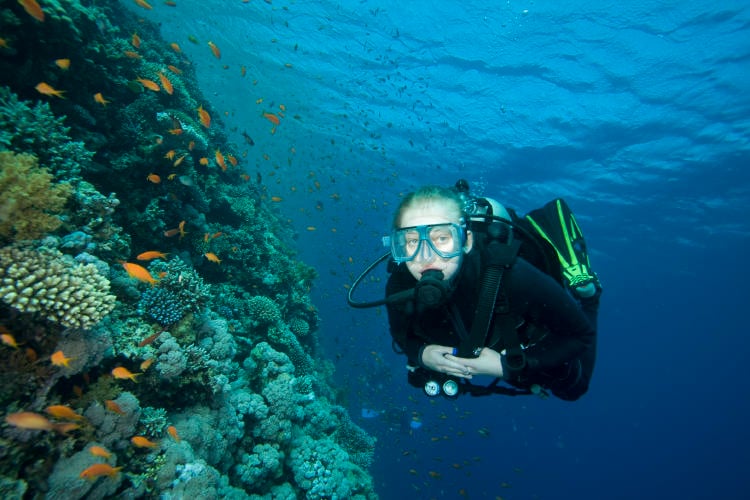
<point x="73" y="295"/>
<point x="29" y="200"/>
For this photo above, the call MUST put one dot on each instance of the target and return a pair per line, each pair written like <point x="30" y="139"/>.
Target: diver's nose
<point x="425" y="252"/>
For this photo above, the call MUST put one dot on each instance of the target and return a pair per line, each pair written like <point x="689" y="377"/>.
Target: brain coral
<point x="73" y="295"/>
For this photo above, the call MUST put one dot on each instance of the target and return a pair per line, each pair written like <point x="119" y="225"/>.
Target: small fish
<point x="98" y="470"/>
<point x="149" y="84"/>
<point x="142" y="442"/>
<point x="143" y="3"/>
<point x="146" y="363"/>
<point x="30" y="421"/>
<point x="9" y="340"/>
<point x="243" y="70"/>
<point x="220" y="160"/>
<point x="135" y="41"/>
<point x="59" y="359"/>
<point x="33" y="9"/>
<point x="248" y="139"/>
<point x="174" y="69"/>
<point x="311" y="228"/>
<point x="98" y="97"/>
<point x="98" y="451"/>
<point x="176" y="131"/>
<point x="171" y="177"/>
<point x="232" y="160"/>
<point x="4" y="43"/>
<point x="170" y="155"/>
<point x="131" y="54"/>
<point x="203" y="161"/>
<point x="215" y="50"/>
<point x="149" y="340"/>
<point x="216" y="235"/>
<point x="272" y="118"/>
<point x="63" y="64"/>
<point x="62" y="411"/>
<point x="282" y="107"/>
<point x="151" y="254"/>
<point x="122" y="373"/>
<point x="191" y="145"/>
<point x="153" y="178"/>
<point x="205" y="118"/>
<point x="181" y="227"/>
<point x="168" y="88"/>
<point x="276" y="198"/>
<point x="113" y="407"/>
<point x="175" y="47"/>
<point x="172" y="430"/>
<point x="46" y="89"/>
<point x="178" y="161"/>
<point x="138" y="272"/>
<point x="212" y="257"/>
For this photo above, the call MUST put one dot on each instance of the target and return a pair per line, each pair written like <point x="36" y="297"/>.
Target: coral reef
<point x="215" y="364"/>
<point x="29" y="200"/>
<point x="73" y="295"/>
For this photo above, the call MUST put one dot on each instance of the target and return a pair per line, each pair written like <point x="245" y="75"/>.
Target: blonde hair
<point x="428" y="195"/>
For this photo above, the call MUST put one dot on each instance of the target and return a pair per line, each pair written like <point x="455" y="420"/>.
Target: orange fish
<point x="205" y="118"/>
<point x="61" y="411"/>
<point x="30" y="421"/>
<point x="149" y="84"/>
<point x="132" y="55"/>
<point x="135" y="41"/>
<point x="153" y="178"/>
<point x="170" y="3"/>
<point x="178" y="161"/>
<point x="276" y="198"/>
<point x="149" y="340"/>
<point x="142" y="442"/>
<point x="216" y="235"/>
<point x="191" y="145"/>
<point x="174" y="69"/>
<point x="59" y="359"/>
<point x="212" y="257"/>
<point x="98" y="470"/>
<point x="243" y="70"/>
<point x="168" y="88"/>
<point x="151" y="254"/>
<point x="113" y="407"/>
<point x="181" y="228"/>
<point x="146" y="363"/>
<point x="138" y="272"/>
<point x="203" y="161"/>
<point x="33" y="9"/>
<point x="122" y="373"/>
<point x="175" y="47"/>
<point x="63" y="64"/>
<point x="282" y="107"/>
<point x="171" y="232"/>
<point x="215" y="50"/>
<point x="175" y="131"/>
<point x="46" y="89"/>
<point x="9" y="340"/>
<point x="142" y="3"/>
<point x="98" y="97"/>
<point x="232" y="160"/>
<point x="272" y="118"/>
<point x="98" y="451"/>
<point x="172" y="430"/>
<point x="170" y="155"/>
<point x="220" y="160"/>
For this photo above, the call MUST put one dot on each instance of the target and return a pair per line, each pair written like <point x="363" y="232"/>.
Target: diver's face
<point x="426" y="259"/>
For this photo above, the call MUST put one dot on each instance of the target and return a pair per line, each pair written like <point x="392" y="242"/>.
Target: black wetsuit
<point x="558" y="332"/>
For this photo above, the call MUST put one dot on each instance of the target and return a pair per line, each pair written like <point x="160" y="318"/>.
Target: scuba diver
<point x="474" y="289"/>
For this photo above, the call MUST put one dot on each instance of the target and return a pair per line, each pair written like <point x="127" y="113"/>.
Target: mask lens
<point x="446" y="240"/>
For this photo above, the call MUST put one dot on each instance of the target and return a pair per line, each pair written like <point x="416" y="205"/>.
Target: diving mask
<point x="446" y="240"/>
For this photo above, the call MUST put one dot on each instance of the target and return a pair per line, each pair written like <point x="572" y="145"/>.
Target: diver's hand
<point x="439" y="358"/>
<point x="487" y="363"/>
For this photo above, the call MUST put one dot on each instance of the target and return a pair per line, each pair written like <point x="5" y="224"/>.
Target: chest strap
<point x="498" y="257"/>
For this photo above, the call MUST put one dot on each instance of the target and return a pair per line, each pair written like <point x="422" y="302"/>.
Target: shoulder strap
<point x="498" y="257"/>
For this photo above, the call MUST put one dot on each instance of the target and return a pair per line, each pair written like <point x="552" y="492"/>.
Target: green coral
<point x="36" y="130"/>
<point x="29" y="200"/>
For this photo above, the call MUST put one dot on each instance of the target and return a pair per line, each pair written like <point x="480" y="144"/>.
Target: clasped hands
<point x="441" y="359"/>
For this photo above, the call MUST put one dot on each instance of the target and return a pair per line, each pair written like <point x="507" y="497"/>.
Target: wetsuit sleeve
<point x="401" y="324"/>
<point x="571" y="336"/>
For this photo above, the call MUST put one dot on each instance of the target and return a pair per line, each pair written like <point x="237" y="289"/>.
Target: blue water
<point x="638" y="113"/>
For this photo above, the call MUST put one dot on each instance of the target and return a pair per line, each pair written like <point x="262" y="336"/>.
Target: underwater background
<point x="263" y="145"/>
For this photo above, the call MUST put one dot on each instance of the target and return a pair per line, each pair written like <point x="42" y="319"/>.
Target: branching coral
<point x="29" y="200"/>
<point x="73" y="295"/>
